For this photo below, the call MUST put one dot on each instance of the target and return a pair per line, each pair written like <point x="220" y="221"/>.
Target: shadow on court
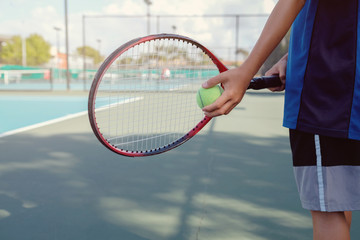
<point x="219" y="185"/>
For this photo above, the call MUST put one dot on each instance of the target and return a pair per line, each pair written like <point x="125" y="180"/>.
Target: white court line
<point x="42" y="124"/>
<point x="56" y="120"/>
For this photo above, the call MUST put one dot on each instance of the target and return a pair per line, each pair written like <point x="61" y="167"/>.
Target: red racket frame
<point x="107" y="63"/>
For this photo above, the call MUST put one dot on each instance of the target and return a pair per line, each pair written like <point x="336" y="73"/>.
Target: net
<point x="147" y="97"/>
<point x="29" y="79"/>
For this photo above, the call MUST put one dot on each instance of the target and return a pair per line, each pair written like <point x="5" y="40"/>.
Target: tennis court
<point x="25" y="110"/>
<point x="228" y="182"/>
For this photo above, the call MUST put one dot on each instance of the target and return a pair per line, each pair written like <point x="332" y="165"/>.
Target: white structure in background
<point x="58" y="61"/>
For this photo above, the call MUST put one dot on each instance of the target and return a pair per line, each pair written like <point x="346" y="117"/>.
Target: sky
<point x="25" y="17"/>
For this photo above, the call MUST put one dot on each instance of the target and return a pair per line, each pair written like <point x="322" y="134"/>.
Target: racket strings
<point x="149" y="93"/>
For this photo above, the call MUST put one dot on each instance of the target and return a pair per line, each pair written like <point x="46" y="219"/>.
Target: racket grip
<point x="265" y="82"/>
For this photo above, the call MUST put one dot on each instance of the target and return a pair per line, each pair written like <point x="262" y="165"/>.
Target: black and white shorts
<point x="327" y="171"/>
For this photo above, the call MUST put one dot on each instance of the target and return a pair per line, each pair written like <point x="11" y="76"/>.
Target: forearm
<point x="275" y="29"/>
<point x="235" y="81"/>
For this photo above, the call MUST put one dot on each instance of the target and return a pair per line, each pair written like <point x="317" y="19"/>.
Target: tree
<point x="11" y="51"/>
<point x="37" y="51"/>
<point x="91" y="53"/>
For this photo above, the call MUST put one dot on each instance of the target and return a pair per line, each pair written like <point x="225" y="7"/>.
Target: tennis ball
<point x="206" y="96"/>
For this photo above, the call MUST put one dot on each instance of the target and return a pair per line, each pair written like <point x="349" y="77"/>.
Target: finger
<point x="277" y="89"/>
<point x="271" y="72"/>
<point x="282" y="75"/>
<point x="230" y="108"/>
<point x="217" y="104"/>
<point x="275" y="70"/>
<point x="212" y="81"/>
<point x="223" y="110"/>
<point x="274" y="89"/>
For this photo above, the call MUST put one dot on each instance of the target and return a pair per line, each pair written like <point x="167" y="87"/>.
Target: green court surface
<point x="233" y="181"/>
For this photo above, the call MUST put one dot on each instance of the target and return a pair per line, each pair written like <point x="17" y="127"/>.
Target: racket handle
<point x="265" y="82"/>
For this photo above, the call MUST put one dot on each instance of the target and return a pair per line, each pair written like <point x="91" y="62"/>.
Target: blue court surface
<point x="25" y="111"/>
<point x="22" y="111"/>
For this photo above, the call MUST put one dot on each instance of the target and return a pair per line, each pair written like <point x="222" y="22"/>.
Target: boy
<point x="322" y="103"/>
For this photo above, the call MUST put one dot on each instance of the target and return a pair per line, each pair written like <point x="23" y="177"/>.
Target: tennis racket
<point x="142" y="100"/>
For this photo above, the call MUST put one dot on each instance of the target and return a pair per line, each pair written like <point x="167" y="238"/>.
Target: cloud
<point x="41" y="21"/>
<point x="186" y="7"/>
<point x="126" y="7"/>
<point x="45" y="13"/>
<point x="214" y="33"/>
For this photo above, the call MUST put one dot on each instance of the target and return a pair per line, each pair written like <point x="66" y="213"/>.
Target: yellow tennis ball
<point x="206" y="96"/>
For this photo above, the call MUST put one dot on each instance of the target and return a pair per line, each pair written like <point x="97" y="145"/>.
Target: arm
<point x="236" y="81"/>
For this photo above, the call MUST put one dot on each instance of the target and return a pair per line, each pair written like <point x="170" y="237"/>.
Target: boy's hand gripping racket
<point x="143" y="98"/>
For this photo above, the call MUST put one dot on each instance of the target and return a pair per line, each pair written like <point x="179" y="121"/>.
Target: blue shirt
<point x="323" y="73"/>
